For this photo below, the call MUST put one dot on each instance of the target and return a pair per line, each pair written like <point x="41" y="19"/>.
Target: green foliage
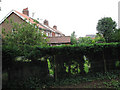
<point x="51" y="71"/>
<point x="8" y="55"/>
<point x="72" y="62"/>
<point x="117" y="64"/>
<point x="72" y="58"/>
<point x="98" y="78"/>
<point x="113" y="84"/>
<point x="85" y="40"/>
<point x="99" y="38"/>
<point x="106" y="27"/>
<point x="86" y="64"/>
<point x="73" y="38"/>
<point x="21" y="42"/>
<point x="70" y="49"/>
<point x="24" y="36"/>
<point x="74" y="67"/>
<point x="116" y="35"/>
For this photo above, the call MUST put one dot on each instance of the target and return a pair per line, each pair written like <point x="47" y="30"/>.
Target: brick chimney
<point x="25" y="11"/>
<point x="55" y="27"/>
<point x="46" y="22"/>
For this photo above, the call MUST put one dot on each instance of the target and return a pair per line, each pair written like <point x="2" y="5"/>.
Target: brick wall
<point x="8" y="26"/>
<point x="53" y="34"/>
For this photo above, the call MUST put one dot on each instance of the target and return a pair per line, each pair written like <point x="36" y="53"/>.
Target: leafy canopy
<point x="106" y="27"/>
<point x="85" y="40"/>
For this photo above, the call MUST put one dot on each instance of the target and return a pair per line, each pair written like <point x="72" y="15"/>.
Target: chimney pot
<point x="46" y="22"/>
<point x="55" y="27"/>
<point x="25" y="11"/>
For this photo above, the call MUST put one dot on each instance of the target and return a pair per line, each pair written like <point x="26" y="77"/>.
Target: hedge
<point x="68" y="60"/>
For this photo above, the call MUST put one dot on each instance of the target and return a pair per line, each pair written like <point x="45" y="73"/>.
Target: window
<point x="56" y="34"/>
<point x="48" y="34"/>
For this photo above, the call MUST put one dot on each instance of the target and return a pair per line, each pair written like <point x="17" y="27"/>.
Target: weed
<point x="112" y="83"/>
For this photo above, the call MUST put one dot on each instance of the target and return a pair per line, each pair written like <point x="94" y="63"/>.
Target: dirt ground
<point x="92" y="84"/>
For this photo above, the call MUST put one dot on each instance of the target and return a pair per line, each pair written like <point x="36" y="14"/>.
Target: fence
<point x="102" y="58"/>
<point x="64" y="60"/>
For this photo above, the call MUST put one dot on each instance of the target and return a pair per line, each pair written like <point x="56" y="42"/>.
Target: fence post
<point x="55" y="69"/>
<point x="105" y="68"/>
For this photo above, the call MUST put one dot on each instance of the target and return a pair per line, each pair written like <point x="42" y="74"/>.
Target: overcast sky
<point x="80" y="16"/>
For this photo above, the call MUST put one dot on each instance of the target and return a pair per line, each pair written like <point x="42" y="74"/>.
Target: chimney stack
<point x="25" y="11"/>
<point x="55" y="27"/>
<point x="46" y="22"/>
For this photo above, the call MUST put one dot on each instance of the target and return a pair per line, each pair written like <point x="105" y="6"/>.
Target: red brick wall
<point x="53" y="34"/>
<point x="8" y="26"/>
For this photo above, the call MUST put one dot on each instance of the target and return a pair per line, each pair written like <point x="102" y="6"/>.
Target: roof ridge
<point x="29" y="19"/>
<point x="6" y="16"/>
<point x="58" y="36"/>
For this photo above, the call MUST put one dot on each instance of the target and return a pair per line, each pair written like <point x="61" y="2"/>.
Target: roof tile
<point x="29" y="19"/>
<point x="62" y="39"/>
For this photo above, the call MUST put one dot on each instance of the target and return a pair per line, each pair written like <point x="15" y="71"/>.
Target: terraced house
<point x="56" y="37"/>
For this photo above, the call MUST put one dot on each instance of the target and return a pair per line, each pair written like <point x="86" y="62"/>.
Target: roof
<point x="22" y="16"/>
<point x="57" y="31"/>
<point x="62" y="39"/>
<point x="29" y="19"/>
<point x="91" y="35"/>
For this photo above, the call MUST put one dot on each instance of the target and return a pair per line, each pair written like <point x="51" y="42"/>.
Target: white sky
<point x="80" y="16"/>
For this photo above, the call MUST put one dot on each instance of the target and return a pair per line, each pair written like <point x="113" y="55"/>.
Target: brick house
<point x="52" y="32"/>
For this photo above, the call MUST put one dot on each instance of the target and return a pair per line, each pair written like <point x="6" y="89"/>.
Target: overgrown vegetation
<point x="96" y="80"/>
<point x="73" y="38"/>
<point x="54" y="65"/>
<point x="33" y="64"/>
<point x="23" y="36"/>
<point x="106" y="27"/>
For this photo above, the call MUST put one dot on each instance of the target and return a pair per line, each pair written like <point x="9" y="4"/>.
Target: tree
<point x="116" y="35"/>
<point x="23" y="36"/>
<point x="85" y="40"/>
<point x="99" y="38"/>
<point x="73" y="38"/>
<point x="106" y="27"/>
